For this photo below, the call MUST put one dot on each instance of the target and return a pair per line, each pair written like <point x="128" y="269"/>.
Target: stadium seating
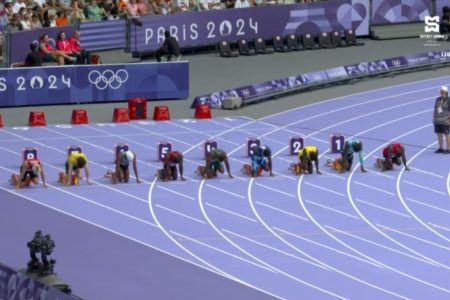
<point x="350" y="38"/>
<point x="244" y="49"/>
<point x="225" y="50"/>
<point x="278" y="44"/>
<point x="260" y="46"/>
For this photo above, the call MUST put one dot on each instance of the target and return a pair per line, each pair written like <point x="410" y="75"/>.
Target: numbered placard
<point x="163" y="149"/>
<point x="208" y="146"/>
<point x="337" y="142"/>
<point x="296" y="144"/>
<point x="29" y="153"/>
<point x="120" y="148"/>
<point x="252" y="142"/>
<point x="74" y="149"/>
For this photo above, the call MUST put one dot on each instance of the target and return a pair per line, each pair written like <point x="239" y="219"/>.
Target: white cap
<point x="444" y="89"/>
<point x="130" y="156"/>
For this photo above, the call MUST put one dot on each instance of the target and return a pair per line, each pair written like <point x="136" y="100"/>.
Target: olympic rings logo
<point x="108" y="78"/>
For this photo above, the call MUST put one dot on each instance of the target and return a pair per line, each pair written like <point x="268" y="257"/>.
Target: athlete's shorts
<point x="74" y="168"/>
<point x="28" y="174"/>
<point x="445" y="129"/>
<point x="215" y="166"/>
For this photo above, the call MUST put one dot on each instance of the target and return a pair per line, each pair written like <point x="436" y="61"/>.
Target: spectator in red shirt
<point x="63" y="45"/>
<point x="51" y="55"/>
<point x="83" y="56"/>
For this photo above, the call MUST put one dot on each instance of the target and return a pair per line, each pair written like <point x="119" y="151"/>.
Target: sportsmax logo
<point x="432" y="30"/>
<point x="108" y="78"/>
<point x="432" y="24"/>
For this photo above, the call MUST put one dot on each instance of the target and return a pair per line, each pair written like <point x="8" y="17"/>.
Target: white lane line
<point x="324" y="189"/>
<point x="180" y="214"/>
<point x="332" y="175"/>
<point x="274" y="141"/>
<point x="285" y="159"/>
<point x="221" y="251"/>
<point x="414" y="237"/>
<point x="225" y="191"/>
<point x="379" y="245"/>
<point x="89" y="201"/>
<point x="448" y="184"/>
<point x="274" y="249"/>
<point x="176" y="193"/>
<point x="306" y="254"/>
<point x="423" y="187"/>
<point x="373" y="188"/>
<point x="440" y="226"/>
<point x="282" y="211"/>
<point x="275" y="190"/>
<point x="332" y="209"/>
<point x="319" y="140"/>
<point x="379" y="173"/>
<point x="231" y="212"/>
<point x="428" y="173"/>
<point x="327" y="247"/>
<point x="176" y="242"/>
<point x="228" y="141"/>
<point x="200" y="202"/>
<point x="427" y="205"/>
<point x="383" y="208"/>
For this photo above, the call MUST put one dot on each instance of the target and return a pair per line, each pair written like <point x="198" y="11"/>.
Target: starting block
<point x="74" y="149"/>
<point x="208" y="146"/>
<point x="247" y="170"/>
<point x="337" y="142"/>
<point x="120" y="148"/>
<point x="296" y="168"/>
<point x="163" y="149"/>
<point x="296" y="144"/>
<point x="29" y="153"/>
<point x="252" y="142"/>
<point x="336" y="164"/>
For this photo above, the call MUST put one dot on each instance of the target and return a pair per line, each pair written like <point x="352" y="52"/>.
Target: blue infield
<point x="353" y="235"/>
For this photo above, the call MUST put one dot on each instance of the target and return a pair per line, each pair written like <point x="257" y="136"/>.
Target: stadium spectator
<point x="51" y="20"/>
<point x="242" y="4"/>
<point x="229" y="3"/>
<point x="83" y="56"/>
<point x="61" y="18"/>
<point x="18" y="4"/>
<point x="63" y="45"/>
<point x="152" y="7"/>
<point x="94" y="12"/>
<point x="182" y="6"/>
<point x="122" y="4"/>
<point x="9" y="9"/>
<point x="35" y="23"/>
<point x="165" y="7"/>
<point x="210" y="5"/>
<point x="51" y="55"/>
<point x="170" y="48"/>
<point x="132" y="8"/>
<point x="78" y="15"/>
<point x="142" y="8"/>
<point x="33" y="59"/>
<point x="51" y="7"/>
<point x="15" y="25"/>
<point x="441" y="120"/>
<point x="3" y="14"/>
<point x="26" y="22"/>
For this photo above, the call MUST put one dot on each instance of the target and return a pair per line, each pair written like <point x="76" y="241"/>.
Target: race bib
<point x="439" y="109"/>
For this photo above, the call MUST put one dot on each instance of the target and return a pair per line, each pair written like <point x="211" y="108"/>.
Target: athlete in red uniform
<point x="29" y="173"/>
<point x="169" y="171"/>
<point x="392" y="155"/>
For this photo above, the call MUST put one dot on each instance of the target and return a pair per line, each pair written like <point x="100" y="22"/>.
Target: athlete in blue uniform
<point x="261" y="160"/>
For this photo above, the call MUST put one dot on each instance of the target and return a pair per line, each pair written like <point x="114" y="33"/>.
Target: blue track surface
<point x="375" y="235"/>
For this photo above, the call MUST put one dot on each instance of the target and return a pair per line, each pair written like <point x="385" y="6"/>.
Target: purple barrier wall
<point x="93" y="83"/>
<point x="308" y="79"/>
<point x="103" y="35"/>
<point x="14" y="285"/>
<point x="20" y="41"/>
<point x="208" y="28"/>
<point x="399" y="11"/>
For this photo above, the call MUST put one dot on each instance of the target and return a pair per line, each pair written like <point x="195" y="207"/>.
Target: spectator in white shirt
<point x="241" y="4"/>
<point x="182" y="5"/>
<point x="26" y="24"/>
<point x="18" y="5"/>
<point x="210" y="5"/>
